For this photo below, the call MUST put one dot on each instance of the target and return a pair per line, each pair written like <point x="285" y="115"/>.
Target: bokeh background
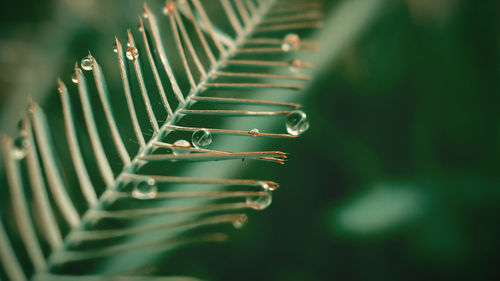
<point x="397" y="178"/>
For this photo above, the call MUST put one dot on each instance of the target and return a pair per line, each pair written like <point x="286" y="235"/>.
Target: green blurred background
<point x="397" y="179"/>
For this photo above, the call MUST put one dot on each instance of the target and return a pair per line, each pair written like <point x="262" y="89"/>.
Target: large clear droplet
<point x="297" y="123"/>
<point x="181" y="147"/>
<point x="132" y="53"/>
<point x="240" y="222"/>
<point x="74" y="78"/>
<point x="145" y="189"/>
<point x="254" y="132"/>
<point x="290" y="42"/>
<point x="19" y="149"/>
<point x="87" y="63"/>
<point x="260" y="201"/>
<point x="201" y="138"/>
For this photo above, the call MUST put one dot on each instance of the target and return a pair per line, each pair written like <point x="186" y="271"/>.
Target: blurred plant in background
<point x="397" y="179"/>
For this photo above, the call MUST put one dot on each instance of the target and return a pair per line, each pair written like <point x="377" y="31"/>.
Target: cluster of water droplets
<point x="201" y="138"/>
<point x="145" y="189"/>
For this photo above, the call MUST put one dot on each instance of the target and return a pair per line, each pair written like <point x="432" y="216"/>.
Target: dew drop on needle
<point x="181" y="147"/>
<point x="254" y="132"/>
<point x="145" y="189"/>
<point x="201" y="138"/>
<point x="291" y="42"/>
<point x="87" y="63"/>
<point x="19" y="149"/>
<point x="74" y="78"/>
<point x="262" y="199"/>
<point x="295" y="65"/>
<point x="132" y="53"/>
<point x="297" y="123"/>
<point x="240" y="222"/>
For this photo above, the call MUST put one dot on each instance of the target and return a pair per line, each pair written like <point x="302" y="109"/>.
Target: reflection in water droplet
<point x="290" y="42"/>
<point x="132" y="53"/>
<point x="87" y="63"/>
<point x="263" y="199"/>
<point x="181" y="147"/>
<point x="145" y="189"/>
<point x="254" y="132"/>
<point x="297" y="123"/>
<point x="19" y="149"/>
<point x="201" y="138"/>
<point x="115" y="48"/>
<point x="240" y="222"/>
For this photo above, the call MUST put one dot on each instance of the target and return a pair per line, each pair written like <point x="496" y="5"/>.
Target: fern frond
<point x="136" y="211"/>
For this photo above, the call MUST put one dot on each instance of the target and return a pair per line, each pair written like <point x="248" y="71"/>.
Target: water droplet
<point x="74" y="78"/>
<point x="181" y="147"/>
<point x="19" y="149"/>
<point x="297" y="123"/>
<point x="254" y="132"/>
<point x="132" y="53"/>
<point x="145" y="15"/>
<point x="290" y="42"/>
<point x="240" y="222"/>
<point x="169" y="8"/>
<point x="268" y="186"/>
<point x="261" y="201"/>
<point x="145" y="189"/>
<point x="295" y="65"/>
<point x="139" y="27"/>
<point x="22" y="128"/>
<point x="87" y="63"/>
<point x="201" y="138"/>
<point x="115" y="48"/>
